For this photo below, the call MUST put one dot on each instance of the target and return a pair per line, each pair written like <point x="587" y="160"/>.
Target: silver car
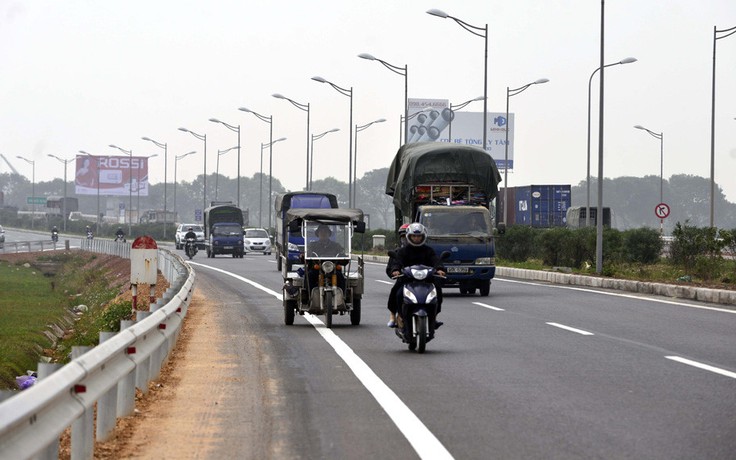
<point x="256" y="240"/>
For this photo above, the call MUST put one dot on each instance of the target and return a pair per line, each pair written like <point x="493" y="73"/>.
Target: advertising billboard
<point x="432" y="120"/>
<point x="111" y="175"/>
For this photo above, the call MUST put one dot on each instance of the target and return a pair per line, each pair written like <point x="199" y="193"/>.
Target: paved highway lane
<point x="532" y="371"/>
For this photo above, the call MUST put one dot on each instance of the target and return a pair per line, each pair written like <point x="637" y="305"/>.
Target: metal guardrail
<point x="105" y="376"/>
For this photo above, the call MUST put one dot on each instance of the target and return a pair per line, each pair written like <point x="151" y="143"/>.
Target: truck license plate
<point x="228" y="247"/>
<point x="457" y="270"/>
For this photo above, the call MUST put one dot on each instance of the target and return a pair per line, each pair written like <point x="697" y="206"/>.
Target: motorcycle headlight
<point x="409" y="296"/>
<point x="419" y="274"/>
<point x="328" y="267"/>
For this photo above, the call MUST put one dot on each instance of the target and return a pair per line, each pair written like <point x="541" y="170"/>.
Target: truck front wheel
<point x="485" y="288"/>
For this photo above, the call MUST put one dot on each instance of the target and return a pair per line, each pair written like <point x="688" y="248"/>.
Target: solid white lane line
<point x="616" y="294"/>
<point x="571" y="329"/>
<point x="385" y="282"/>
<point x="488" y="306"/>
<point x="426" y="445"/>
<point x="703" y="366"/>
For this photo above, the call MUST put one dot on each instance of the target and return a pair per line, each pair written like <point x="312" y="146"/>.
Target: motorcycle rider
<point x="89" y="232"/>
<point x="324" y="247"/>
<point x="416" y="252"/>
<point x="54" y="233"/>
<point x="190" y="234"/>
<point x="120" y="234"/>
<point x="392" y="302"/>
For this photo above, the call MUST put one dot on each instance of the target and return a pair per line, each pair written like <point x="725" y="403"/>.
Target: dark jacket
<point x="414" y="255"/>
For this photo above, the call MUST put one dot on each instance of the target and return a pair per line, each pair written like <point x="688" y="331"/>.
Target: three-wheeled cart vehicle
<point x="330" y="281"/>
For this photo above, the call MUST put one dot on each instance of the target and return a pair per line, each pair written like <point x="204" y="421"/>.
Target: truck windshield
<point x="227" y="230"/>
<point x="455" y="223"/>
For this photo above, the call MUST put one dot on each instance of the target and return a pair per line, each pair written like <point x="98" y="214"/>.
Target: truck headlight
<point x="485" y="261"/>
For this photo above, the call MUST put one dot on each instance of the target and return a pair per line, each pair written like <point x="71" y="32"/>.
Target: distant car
<point x="256" y="240"/>
<point x="2" y="237"/>
<point x="182" y="229"/>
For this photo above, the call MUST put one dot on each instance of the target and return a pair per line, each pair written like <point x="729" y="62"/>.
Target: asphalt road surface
<point x="532" y="371"/>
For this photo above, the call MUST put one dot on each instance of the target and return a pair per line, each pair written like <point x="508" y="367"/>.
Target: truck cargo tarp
<point x="436" y="162"/>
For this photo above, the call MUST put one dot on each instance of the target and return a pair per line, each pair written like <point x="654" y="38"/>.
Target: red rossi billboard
<point x="111" y="175"/>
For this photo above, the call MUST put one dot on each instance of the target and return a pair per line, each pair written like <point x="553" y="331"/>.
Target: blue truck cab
<point x="290" y="244"/>
<point x="223" y="230"/>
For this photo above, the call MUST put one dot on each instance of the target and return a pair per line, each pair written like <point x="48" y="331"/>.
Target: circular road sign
<point x="662" y="210"/>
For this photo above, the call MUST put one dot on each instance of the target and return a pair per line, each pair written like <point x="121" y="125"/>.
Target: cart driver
<point x="324" y="246"/>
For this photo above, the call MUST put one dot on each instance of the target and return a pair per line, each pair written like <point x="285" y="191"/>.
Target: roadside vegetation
<point x="51" y="304"/>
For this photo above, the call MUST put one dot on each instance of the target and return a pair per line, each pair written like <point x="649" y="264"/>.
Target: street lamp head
<point x="245" y="109"/>
<point x="381" y="120"/>
<point x="146" y="139"/>
<point x="370" y="57"/>
<point x="541" y="80"/>
<point x="438" y="13"/>
<point x="184" y="129"/>
<point x="639" y="127"/>
<point x="627" y="60"/>
<point x="319" y="79"/>
<point x="215" y="120"/>
<point x="114" y="146"/>
<point x="278" y="96"/>
<point x="279" y="140"/>
<point x="334" y="130"/>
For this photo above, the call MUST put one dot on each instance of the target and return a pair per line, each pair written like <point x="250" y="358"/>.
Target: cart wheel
<point x="328" y="309"/>
<point x="289" y="307"/>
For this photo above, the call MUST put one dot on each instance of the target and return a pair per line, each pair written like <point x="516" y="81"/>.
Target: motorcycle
<point x="89" y="235"/>
<point x="54" y="236"/>
<point x="120" y="238"/>
<point x="418" y="310"/>
<point x="190" y="247"/>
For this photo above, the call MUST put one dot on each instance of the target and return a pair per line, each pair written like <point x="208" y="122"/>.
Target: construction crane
<point x="8" y="162"/>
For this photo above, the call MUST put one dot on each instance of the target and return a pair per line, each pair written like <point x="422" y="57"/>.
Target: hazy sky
<point x="86" y="74"/>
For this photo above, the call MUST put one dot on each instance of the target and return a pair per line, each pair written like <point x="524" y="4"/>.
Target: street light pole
<point x="176" y="161"/>
<point x="659" y="136"/>
<point x="454" y="107"/>
<point x="201" y="137"/>
<point x="475" y="30"/>
<point x="166" y="163"/>
<point x="268" y="120"/>
<point x="130" y="183"/>
<point x="270" y="176"/>
<point x="217" y="174"/>
<point x="348" y="93"/>
<point x="138" y="187"/>
<point x="355" y="172"/>
<point x="63" y="206"/>
<point x="33" y="186"/>
<point x="97" y="159"/>
<point x="237" y="130"/>
<point x="627" y="60"/>
<point x="509" y="93"/>
<point x="723" y="34"/>
<point x="403" y="71"/>
<point x="599" y="214"/>
<point x="311" y="148"/>
<point x="304" y="107"/>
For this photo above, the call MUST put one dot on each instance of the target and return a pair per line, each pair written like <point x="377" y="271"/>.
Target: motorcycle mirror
<point x="445" y="255"/>
<point x="359" y="227"/>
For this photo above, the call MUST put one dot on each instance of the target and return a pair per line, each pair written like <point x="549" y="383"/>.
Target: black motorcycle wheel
<point x="421" y="334"/>
<point x="289" y="307"/>
<point x="328" y="309"/>
<point x="355" y="312"/>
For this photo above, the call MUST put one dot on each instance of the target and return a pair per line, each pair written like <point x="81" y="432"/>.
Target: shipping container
<point x="510" y="197"/>
<point x="540" y="205"/>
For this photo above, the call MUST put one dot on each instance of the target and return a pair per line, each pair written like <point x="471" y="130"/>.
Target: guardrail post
<point x="83" y="439"/>
<point x="106" y="405"/>
<point x="44" y="370"/>
<point x="143" y="370"/>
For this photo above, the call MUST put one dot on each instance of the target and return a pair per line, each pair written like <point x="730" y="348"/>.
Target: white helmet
<point x="416" y="229"/>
